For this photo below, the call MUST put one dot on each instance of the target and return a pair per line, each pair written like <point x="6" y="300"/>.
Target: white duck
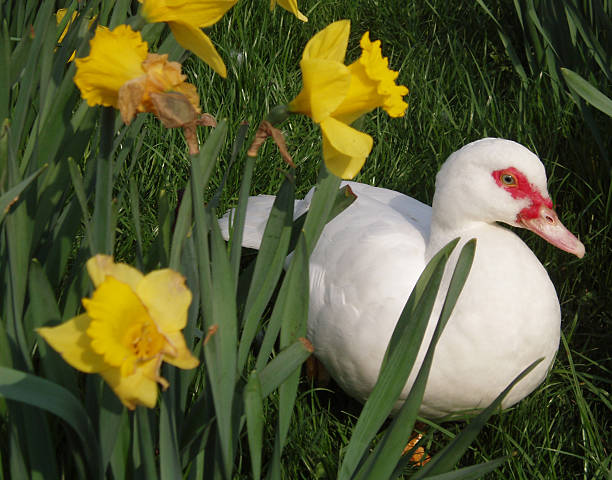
<point x="369" y="258"/>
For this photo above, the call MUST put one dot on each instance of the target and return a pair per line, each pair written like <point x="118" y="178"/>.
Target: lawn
<point x="463" y="86"/>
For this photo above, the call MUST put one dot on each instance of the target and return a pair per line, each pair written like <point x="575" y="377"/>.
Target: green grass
<point x="462" y="87"/>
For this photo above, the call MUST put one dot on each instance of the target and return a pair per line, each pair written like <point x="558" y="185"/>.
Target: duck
<point x="369" y="258"/>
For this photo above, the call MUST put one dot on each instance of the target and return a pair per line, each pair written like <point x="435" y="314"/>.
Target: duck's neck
<point x="449" y="221"/>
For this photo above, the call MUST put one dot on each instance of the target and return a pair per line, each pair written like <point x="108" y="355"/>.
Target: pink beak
<point x="548" y="226"/>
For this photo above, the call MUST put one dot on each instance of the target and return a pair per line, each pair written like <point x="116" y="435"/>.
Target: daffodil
<point x="186" y="18"/>
<point x="334" y="95"/>
<point x="132" y="323"/>
<point x="290" y="6"/>
<point x="119" y="72"/>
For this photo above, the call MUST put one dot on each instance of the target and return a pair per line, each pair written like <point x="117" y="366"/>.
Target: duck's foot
<point x="418" y="456"/>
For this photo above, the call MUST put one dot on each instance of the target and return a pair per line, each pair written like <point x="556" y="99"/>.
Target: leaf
<point x="283" y="365"/>
<point x="102" y="226"/>
<point x="268" y="266"/>
<point x="253" y="408"/>
<point x="381" y="463"/>
<point x="587" y="91"/>
<point x="398" y="360"/>
<point x="450" y="455"/>
<point x="294" y="292"/>
<point x="143" y="447"/>
<point x="169" y="463"/>
<point x="472" y="472"/>
<point x="11" y="196"/>
<point x="38" y="392"/>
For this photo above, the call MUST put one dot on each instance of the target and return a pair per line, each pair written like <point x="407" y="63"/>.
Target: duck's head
<point x="497" y="180"/>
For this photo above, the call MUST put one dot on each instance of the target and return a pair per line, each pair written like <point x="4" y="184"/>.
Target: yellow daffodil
<point x="132" y="324"/>
<point x="290" y="6"/>
<point x="119" y="72"/>
<point x="335" y="95"/>
<point x="186" y="18"/>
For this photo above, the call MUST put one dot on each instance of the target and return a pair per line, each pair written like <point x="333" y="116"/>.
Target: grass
<point x="462" y="87"/>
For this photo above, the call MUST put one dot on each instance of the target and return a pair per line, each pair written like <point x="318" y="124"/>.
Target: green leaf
<point x="110" y="417"/>
<point x="38" y="392"/>
<point x="143" y="446"/>
<point x="398" y="361"/>
<point x="472" y="472"/>
<point x="268" y="266"/>
<point x="45" y="312"/>
<point x="253" y="408"/>
<point x="169" y="463"/>
<point x="240" y="215"/>
<point x="220" y="351"/>
<point x="103" y="228"/>
<point x="294" y="317"/>
<point x="380" y="464"/>
<point x="11" y="196"/>
<point x="445" y="460"/>
<point x="320" y="207"/>
<point x="135" y="209"/>
<point x="283" y="365"/>
<point x="587" y="91"/>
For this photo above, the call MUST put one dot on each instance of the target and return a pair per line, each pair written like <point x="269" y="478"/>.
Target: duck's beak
<point x="548" y="226"/>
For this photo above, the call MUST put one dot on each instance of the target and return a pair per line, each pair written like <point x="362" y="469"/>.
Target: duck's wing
<point x="361" y="274"/>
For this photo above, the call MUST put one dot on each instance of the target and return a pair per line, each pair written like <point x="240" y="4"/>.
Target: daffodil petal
<point x="330" y="43"/>
<point x="325" y="85"/>
<point x="199" y="13"/>
<point x="344" y="148"/>
<point x="135" y="389"/>
<point x="100" y="266"/>
<point x="290" y="6"/>
<point x="70" y="339"/>
<point x="183" y="358"/>
<point x="166" y="298"/>
<point x="194" y="39"/>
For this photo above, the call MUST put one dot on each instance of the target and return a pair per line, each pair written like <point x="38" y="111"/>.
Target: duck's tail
<point x="258" y="211"/>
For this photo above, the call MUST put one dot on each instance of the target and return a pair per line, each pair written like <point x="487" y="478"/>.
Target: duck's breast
<point x="507" y="316"/>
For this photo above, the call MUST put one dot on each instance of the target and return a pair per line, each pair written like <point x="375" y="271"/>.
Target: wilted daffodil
<point x="119" y="72"/>
<point x="132" y="324"/>
<point x="186" y="18"/>
<point x="335" y="95"/>
<point x="290" y="6"/>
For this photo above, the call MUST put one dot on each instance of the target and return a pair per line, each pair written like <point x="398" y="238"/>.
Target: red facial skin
<point x="522" y="189"/>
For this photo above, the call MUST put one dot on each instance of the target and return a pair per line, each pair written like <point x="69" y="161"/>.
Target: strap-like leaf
<point x="41" y="393"/>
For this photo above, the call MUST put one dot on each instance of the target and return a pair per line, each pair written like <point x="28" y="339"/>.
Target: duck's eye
<point x="508" y="179"/>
